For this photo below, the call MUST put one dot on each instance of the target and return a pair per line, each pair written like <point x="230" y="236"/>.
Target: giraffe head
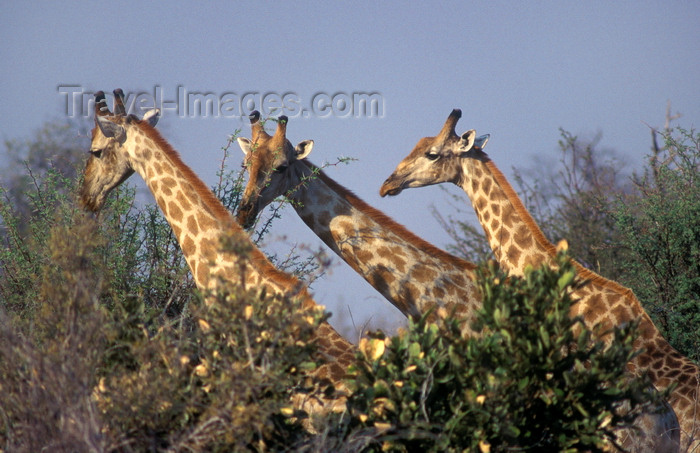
<point x="268" y="160"/>
<point x="435" y="159"/>
<point x="109" y="164"/>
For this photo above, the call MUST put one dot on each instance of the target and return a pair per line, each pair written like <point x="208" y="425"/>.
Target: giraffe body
<point x="412" y="274"/>
<point x="517" y="242"/>
<point x="123" y="145"/>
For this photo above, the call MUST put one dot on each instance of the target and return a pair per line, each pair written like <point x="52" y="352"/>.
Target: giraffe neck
<point x="512" y="233"/>
<point x="517" y="242"/>
<point x="200" y="222"/>
<point x="412" y="274"/>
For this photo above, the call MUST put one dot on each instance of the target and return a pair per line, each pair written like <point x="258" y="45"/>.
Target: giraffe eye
<point x="96" y="152"/>
<point x="432" y="155"/>
<point x="281" y="168"/>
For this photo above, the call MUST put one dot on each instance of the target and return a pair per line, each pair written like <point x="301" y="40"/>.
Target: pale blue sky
<point x="518" y="70"/>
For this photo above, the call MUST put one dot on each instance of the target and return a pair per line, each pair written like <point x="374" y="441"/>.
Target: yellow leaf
<point x="382" y="426"/>
<point x="204" y="325"/>
<point x="562" y="245"/>
<point x="248" y="312"/>
<point x="372" y="349"/>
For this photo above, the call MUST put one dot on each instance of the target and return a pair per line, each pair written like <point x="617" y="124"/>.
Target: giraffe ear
<point x="466" y="141"/>
<point x="245" y="145"/>
<point x="152" y="116"/>
<point x="110" y="129"/>
<point x="303" y="149"/>
<point x="481" y="141"/>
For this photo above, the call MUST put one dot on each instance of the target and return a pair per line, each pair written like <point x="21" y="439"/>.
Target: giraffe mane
<point x="540" y="238"/>
<point x="387" y="222"/>
<point x="258" y="258"/>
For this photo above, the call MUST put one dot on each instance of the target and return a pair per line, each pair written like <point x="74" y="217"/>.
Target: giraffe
<point x="517" y="242"/>
<point x="409" y="272"/>
<point x="122" y="145"/>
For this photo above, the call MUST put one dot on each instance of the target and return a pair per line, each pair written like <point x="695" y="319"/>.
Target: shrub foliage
<point x="536" y="379"/>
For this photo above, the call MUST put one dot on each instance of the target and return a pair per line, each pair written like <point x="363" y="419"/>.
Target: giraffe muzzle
<point x="246" y="215"/>
<point x="392" y="186"/>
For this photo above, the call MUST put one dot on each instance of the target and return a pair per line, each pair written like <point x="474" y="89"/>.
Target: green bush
<point x="661" y="229"/>
<point x="535" y="380"/>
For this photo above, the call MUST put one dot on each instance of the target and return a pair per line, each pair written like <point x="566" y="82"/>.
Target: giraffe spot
<point x="147" y="154"/>
<point x="412" y="292"/>
<point x="495" y="224"/>
<point x="459" y="280"/>
<point x="485" y="218"/>
<point x="480" y="204"/>
<point x="384" y="252"/>
<point x="324" y="218"/>
<point x="327" y="237"/>
<point x="309" y="219"/>
<point x="438" y="292"/>
<point x="477" y="173"/>
<point x="382" y="280"/>
<point x="643" y="360"/>
<point x="169" y="170"/>
<point x="363" y="256"/>
<point x="192" y="226"/>
<point x="137" y="139"/>
<point x="523" y="238"/>
<point x="423" y="274"/>
<point x="346" y="227"/>
<point x="182" y="201"/>
<point x="206" y="222"/>
<point x="158" y="168"/>
<point x="176" y="230"/>
<point x="188" y="246"/>
<point x="509" y="217"/>
<point x="486" y="187"/>
<point x="595" y="303"/>
<point x="208" y="249"/>
<point x="535" y="260"/>
<point x="175" y="211"/>
<point x="496" y="209"/>
<point x="202" y="275"/>
<point x="340" y="209"/>
<point x="512" y="256"/>
<point x="673" y="363"/>
<point x="169" y="182"/>
<point x="399" y="264"/>
<point x="620" y="314"/>
<point x="503" y="236"/>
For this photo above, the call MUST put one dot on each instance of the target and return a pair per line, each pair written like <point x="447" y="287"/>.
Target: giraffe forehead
<point x="266" y="153"/>
<point x="423" y="145"/>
